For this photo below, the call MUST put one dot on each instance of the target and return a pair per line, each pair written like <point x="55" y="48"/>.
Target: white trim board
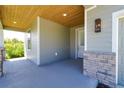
<point x="2" y="41"/>
<point x="38" y="40"/>
<point x="76" y="41"/>
<point x="26" y="43"/>
<point x="85" y="26"/>
<point x="115" y="17"/>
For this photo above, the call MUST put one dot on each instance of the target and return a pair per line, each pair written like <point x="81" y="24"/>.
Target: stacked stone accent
<point x="101" y="66"/>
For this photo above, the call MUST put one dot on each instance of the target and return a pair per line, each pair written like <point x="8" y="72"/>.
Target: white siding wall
<point x="32" y="53"/>
<point x="101" y="41"/>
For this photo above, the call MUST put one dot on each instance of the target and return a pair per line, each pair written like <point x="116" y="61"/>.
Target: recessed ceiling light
<point x="14" y="22"/>
<point x="64" y="14"/>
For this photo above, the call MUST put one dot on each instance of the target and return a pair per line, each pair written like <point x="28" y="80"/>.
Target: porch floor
<point x="64" y="74"/>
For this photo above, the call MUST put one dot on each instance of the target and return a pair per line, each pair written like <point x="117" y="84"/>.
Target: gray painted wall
<point x="32" y="53"/>
<point x="1" y="35"/>
<point x="53" y="38"/>
<point x="101" y="41"/>
<point x="72" y="41"/>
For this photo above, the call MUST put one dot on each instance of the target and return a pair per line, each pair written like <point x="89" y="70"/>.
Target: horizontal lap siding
<point x="101" y="41"/>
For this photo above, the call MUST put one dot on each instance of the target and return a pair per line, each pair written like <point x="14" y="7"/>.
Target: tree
<point x="14" y="48"/>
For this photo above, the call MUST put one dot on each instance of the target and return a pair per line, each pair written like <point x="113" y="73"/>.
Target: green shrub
<point x="14" y="48"/>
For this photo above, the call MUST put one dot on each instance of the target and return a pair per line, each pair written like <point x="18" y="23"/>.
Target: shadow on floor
<point x="100" y="85"/>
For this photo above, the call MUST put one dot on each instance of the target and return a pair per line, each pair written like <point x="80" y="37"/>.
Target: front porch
<point x="63" y="74"/>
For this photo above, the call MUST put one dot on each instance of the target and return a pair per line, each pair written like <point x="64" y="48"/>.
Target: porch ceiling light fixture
<point x="64" y="14"/>
<point x="14" y="22"/>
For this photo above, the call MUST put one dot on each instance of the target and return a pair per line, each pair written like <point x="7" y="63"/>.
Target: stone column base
<point x="101" y="66"/>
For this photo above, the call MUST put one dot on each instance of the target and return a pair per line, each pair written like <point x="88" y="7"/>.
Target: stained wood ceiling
<point x="24" y="15"/>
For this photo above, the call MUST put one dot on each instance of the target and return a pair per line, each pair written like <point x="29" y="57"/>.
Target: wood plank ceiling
<point x="24" y="15"/>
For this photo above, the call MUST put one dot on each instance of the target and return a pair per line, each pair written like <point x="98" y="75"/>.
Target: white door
<point x="80" y="46"/>
<point x="121" y="52"/>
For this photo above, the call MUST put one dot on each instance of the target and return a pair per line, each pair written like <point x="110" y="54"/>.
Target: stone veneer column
<point x="101" y="66"/>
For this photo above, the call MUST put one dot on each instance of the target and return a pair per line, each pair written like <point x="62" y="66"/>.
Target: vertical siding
<point x="101" y="41"/>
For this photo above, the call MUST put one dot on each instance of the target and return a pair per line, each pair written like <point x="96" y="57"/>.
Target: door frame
<point x="115" y="35"/>
<point x="76" y="41"/>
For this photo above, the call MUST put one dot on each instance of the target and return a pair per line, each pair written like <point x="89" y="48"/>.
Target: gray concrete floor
<point x="63" y="74"/>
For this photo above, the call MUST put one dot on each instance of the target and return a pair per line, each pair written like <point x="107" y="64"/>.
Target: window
<point x="29" y="40"/>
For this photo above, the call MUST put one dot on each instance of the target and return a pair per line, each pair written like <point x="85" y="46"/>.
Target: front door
<point x="121" y="52"/>
<point x="80" y="42"/>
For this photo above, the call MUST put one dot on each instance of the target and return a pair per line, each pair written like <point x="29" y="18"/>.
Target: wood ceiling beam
<point x="14" y="29"/>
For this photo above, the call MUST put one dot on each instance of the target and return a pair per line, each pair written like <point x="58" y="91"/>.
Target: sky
<point x="13" y="34"/>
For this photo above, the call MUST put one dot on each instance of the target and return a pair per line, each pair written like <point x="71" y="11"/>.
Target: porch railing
<point x="2" y="58"/>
